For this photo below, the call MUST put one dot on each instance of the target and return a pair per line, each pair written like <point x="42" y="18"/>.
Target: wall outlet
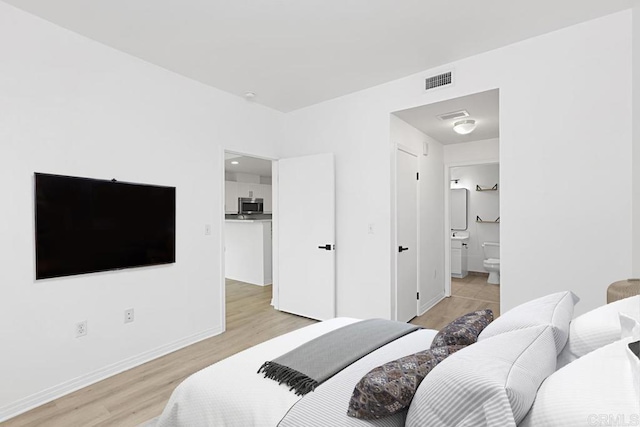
<point x="81" y="329"/>
<point x="128" y="315"/>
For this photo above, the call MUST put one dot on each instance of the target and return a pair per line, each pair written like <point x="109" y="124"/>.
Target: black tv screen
<point x="88" y="225"/>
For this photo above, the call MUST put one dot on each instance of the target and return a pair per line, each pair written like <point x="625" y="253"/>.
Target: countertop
<point x="247" y="220"/>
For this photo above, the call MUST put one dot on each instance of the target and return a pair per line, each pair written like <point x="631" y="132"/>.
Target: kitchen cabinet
<point x="247" y="189"/>
<point x="268" y="200"/>
<point x="231" y="197"/>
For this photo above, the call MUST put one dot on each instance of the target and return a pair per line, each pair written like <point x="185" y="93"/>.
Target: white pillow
<point x="489" y="383"/>
<point x="597" y="328"/>
<point x="602" y="383"/>
<point x="634" y="363"/>
<point x="629" y="327"/>
<point x="555" y="310"/>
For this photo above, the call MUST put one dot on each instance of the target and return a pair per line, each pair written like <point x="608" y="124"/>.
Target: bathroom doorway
<point x="474" y="217"/>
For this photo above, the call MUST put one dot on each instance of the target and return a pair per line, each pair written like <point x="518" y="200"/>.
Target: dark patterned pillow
<point x="389" y="388"/>
<point x="464" y="330"/>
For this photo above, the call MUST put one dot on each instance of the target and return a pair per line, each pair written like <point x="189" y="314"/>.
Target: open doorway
<point x="454" y="133"/>
<point x="248" y="232"/>
<point x="474" y="214"/>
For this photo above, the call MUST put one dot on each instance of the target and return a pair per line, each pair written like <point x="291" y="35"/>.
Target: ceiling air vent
<point x="453" y="115"/>
<point x="437" y="81"/>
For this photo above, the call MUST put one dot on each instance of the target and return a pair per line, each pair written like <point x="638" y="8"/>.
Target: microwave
<point x="247" y="205"/>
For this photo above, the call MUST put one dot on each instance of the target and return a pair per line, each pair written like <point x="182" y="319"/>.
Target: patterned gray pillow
<point x="464" y="330"/>
<point x="389" y="388"/>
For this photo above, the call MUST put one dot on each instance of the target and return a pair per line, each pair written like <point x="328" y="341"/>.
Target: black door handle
<point x="401" y="249"/>
<point x="325" y="247"/>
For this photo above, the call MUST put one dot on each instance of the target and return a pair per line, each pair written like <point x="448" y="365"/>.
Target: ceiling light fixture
<point x="249" y="95"/>
<point x="464" y="127"/>
<point x="235" y="162"/>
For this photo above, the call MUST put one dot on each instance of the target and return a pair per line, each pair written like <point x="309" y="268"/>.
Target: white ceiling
<point x="250" y="165"/>
<point x="482" y="107"/>
<point x="294" y="53"/>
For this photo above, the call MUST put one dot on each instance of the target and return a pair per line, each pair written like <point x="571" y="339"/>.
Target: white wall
<point x="636" y="139"/>
<point x="565" y="190"/>
<point x="72" y="106"/>
<point x="485" y="204"/>
<point x="431" y="208"/>
<point x="475" y="152"/>
<point x="244" y="177"/>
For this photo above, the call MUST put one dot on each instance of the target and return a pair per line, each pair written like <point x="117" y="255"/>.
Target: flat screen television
<point x="88" y="225"/>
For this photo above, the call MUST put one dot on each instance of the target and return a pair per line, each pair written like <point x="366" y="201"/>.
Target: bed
<point x="522" y="370"/>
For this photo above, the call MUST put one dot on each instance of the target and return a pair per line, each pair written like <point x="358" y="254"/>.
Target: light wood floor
<point x="469" y="294"/>
<point x="141" y="393"/>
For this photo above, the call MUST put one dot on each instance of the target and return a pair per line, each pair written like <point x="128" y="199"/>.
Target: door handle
<point x="326" y="247"/>
<point x="401" y="249"/>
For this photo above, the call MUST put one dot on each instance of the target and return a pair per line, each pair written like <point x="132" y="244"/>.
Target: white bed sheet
<point x="231" y="393"/>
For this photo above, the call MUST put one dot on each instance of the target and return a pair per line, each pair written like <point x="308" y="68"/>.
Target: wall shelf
<point x="494" y="188"/>
<point x="480" y="220"/>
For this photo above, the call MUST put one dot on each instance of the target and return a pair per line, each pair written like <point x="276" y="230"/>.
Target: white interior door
<point x="407" y="233"/>
<point x="306" y="206"/>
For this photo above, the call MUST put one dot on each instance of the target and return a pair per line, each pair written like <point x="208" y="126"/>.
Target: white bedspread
<point x="230" y="393"/>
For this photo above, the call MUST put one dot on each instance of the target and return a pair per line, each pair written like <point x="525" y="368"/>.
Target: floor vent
<point x="439" y="80"/>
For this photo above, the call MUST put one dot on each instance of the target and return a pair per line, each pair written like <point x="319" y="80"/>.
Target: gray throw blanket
<point x="314" y="362"/>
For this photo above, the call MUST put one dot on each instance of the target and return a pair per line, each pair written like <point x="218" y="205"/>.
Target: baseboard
<point x="430" y="303"/>
<point x="57" y="391"/>
<point x="478" y="273"/>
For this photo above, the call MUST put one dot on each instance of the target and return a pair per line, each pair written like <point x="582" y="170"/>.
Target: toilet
<point x="492" y="261"/>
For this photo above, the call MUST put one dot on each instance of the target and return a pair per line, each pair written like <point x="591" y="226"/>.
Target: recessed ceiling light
<point x="464" y="127"/>
<point x="235" y="162"/>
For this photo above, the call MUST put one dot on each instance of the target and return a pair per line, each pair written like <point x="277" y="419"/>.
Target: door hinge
<point x="418" y="295"/>
<point x="418" y="176"/>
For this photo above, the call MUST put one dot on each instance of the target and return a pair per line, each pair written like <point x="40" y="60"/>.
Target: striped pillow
<point x="601" y="388"/>
<point x="597" y="328"/>
<point x="555" y="310"/>
<point x="491" y="383"/>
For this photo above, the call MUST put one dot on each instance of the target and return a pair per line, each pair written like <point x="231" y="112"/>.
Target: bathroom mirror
<point x="458" y="205"/>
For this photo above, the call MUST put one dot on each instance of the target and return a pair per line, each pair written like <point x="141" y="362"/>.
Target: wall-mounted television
<point x="85" y="225"/>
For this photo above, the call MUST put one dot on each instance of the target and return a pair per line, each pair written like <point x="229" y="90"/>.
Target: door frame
<point x="274" y="219"/>
<point x="394" y="226"/>
<point x="447" y="214"/>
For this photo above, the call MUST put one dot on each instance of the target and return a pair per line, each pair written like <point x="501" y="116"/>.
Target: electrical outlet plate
<point x="128" y="315"/>
<point x="81" y="329"/>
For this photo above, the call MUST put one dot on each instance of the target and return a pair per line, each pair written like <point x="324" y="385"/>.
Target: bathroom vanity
<point x="459" y="240"/>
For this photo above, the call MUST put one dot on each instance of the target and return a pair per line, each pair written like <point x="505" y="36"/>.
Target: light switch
<point x="207" y="229"/>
